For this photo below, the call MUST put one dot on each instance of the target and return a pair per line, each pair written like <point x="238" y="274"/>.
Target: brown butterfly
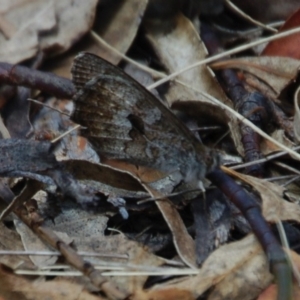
<point x="125" y="121"/>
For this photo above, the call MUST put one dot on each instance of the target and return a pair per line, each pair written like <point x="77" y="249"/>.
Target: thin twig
<point x="234" y="8"/>
<point x="224" y="54"/>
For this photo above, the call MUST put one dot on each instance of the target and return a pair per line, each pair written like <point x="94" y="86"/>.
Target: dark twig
<point x="47" y="82"/>
<point x="16" y="114"/>
<point x="278" y="260"/>
<point x="254" y="106"/>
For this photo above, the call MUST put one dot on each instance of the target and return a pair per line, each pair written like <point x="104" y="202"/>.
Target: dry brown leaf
<point x="137" y="255"/>
<point x="277" y="72"/>
<point x="42" y="25"/>
<point x="24" y="20"/>
<point x="288" y="46"/>
<point x="118" y="25"/>
<point x="32" y="243"/>
<point x="245" y="282"/>
<point x="106" y="174"/>
<point x="74" y="19"/>
<point x="274" y="207"/>
<point x="16" y="287"/>
<point x="226" y="264"/>
<point x="178" y="45"/>
<point x="179" y="48"/>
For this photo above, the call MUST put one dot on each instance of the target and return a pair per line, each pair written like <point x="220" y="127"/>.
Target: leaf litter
<point x="236" y="270"/>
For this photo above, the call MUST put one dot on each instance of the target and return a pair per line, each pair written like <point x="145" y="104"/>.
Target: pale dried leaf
<point x="26" y="20"/>
<point x="245" y="282"/>
<point x="32" y="242"/>
<point x="10" y="50"/>
<point x="137" y="255"/>
<point x="178" y="45"/>
<point x="74" y="19"/>
<point x="10" y="240"/>
<point x="225" y="261"/>
<point x="30" y="26"/>
<point x="119" y="23"/>
<point x="179" y="48"/>
<point x="16" y="287"/>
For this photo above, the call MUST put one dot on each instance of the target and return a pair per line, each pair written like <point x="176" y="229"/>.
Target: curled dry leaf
<point x="274" y="207"/>
<point x="276" y="72"/>
<point x="85" y="170"/>
<point x="183" y="242"/>
<point x="179" y="48"/>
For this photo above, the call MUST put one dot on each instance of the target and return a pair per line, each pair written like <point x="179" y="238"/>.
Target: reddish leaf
<point x="288" y="46"/>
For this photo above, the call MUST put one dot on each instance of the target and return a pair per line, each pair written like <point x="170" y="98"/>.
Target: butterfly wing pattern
<point x="125" y="121"/>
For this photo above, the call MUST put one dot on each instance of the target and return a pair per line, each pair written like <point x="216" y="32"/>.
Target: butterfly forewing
<point x="124" y="121"/>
